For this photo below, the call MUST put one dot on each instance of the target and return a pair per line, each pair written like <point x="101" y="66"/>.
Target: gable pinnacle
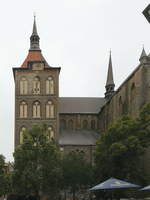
<point x="34" y="39"/>
<point x="143" y="54"/>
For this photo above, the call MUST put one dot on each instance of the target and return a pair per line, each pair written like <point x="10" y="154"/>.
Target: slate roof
<point x="80" y="137"/>
<point x="81" y="105"/>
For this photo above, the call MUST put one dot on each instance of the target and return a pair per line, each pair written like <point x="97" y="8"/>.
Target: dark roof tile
<point x="81" y="104"/>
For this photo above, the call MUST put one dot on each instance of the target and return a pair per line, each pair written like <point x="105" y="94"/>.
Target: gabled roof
<point x="81" y="105"/>
<point x="78" y="138"/>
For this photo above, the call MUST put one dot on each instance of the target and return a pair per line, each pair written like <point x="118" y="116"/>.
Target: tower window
<point x="23" y="109"/>
<point x="21" y="135"/>
<point x="36" y="109"/>
<point x="23" y="86"/>
<point x="49" y="85"/>
<point x="36" y="85"/>
<point x="50" y="109"/>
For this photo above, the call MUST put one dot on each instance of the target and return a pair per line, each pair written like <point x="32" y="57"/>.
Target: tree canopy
<point x="120" y="149"/>
<point x="77" y="172"/>
<point x="5" y="177"/>
<point x="37" y="168"/>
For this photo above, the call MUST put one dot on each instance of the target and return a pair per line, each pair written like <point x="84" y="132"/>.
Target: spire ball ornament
<point x="146" y="13"/>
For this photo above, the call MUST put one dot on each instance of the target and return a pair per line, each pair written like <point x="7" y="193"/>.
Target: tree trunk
<point x="73" y="194"/>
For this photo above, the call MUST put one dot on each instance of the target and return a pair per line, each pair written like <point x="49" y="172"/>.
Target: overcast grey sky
<point x="76" y="35"/>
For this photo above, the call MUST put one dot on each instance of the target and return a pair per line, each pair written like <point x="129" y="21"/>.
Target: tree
<point x="119" y="151"/>
<point x="5" y="177"/>
<point x="77" y="172"/>
<point x="37" y="168"/>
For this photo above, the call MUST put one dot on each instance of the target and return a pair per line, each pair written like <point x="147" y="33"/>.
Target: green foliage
<point x="5" y="177"/>
<point x="77" y="172"/>
<point x="119" y="150"/>
<point x="2" y="164"/>
<point x="37" y="168"/>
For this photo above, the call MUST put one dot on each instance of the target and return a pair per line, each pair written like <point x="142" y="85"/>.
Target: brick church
<point x="74" y="122"/>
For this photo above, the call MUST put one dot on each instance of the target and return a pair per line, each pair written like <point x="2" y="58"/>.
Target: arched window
<point x="49" y="85"/>
<point x="85" y="124"/>
<point x="23" y="129"/>
<point x="62" y="124"/>
<point x="36" y="85"/>
<point x="133" y="99"/>
<point x="36" y="109"/>
<point x="50" y="110"/>
<point x="23" y="86"/>
<point x="23" y="109"/>
<point x="70" y="124"/>
<point x="120" y="106"/>
<point x="125" y="107"/>
<point x="133" y="92"/>
<point x="93" y="126"/>
<point x="50" y="132"/>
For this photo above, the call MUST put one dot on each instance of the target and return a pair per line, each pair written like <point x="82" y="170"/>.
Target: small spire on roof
<point x="110" y="80"/>
<point x="143" y="54"/>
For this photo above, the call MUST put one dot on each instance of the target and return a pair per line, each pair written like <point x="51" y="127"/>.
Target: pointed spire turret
<point x="143" y="54"/>
<point x="34" y="32"/>
<point x="110" y="81"/>
<point x="143" y="57"/>
<point x="34" y="39"/>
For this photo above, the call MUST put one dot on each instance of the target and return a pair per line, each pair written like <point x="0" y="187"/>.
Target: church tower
<point x="36" y="92"/>
<point x="110" y="81"/>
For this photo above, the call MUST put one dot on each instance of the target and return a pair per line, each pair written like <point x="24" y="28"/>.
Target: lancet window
<point x="85" y="124"/>
<point x="70" y="124"/>
<point x="120" y="106"/>
<point x="50" y="85"/>
<point x="36" y="85"/>
<point x="23" y="86"/>
<point x="50" y="112"/>
<point x="63" y="124"/>
<point x="36" y="109"/>
<point x="50" y="132"/>
<point x="93" y="125"/>
<point x="23" y="109"/>
<point x="23" y="129"/>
